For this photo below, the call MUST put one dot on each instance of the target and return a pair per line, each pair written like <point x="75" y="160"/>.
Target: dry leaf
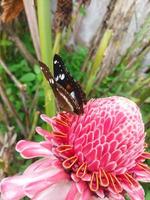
<point x="63" y="13"/>
<point x="11" y="9"/>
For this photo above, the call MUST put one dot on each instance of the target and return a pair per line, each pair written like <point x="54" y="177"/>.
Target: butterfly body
<point x="68" y="93"/>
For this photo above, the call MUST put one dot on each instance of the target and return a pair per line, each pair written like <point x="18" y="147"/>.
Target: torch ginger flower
<point x="94" y="156"/>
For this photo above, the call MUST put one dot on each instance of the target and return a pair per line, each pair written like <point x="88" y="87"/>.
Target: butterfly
<point x="69" y="95"/>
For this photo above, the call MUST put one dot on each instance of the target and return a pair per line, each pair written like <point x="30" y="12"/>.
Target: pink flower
<point x="94" y="156"/>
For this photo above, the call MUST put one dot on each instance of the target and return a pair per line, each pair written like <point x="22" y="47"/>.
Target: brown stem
<point x="35" y="99"/>
<point x="35" y="119"/>
<point x="23" y="50"/>
<point x="19" y="85"/>
<point x="3" y="115"/>
<point x="26" y="110"/>
<point x="11" y="108"/>
<point x="22" y="89"/>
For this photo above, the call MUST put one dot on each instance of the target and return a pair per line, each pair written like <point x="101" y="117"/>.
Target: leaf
<point x="22" y="66"/>
<point x="82" y="11"/>
<point x="147" y="195"/>
<point x="37" y="69"/>
<point x="11" y="9"/>
<point x="28" y="77"/>
<point x="5" y="43"/>
<point x="38" y="138"/>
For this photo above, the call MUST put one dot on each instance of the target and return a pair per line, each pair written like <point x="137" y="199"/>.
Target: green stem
<point x="44" y="20"/>
<point x="139" y="85"/>
<point x="56" y="47"/>
<point x="98" y="59"/>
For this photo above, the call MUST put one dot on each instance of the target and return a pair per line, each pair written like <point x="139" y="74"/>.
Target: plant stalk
<point x="44" y="20"/>
<point x="98" y="59"/>
<point x="56" y="47"/>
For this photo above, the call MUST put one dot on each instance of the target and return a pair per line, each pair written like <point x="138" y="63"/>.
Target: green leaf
<point x="28" y="77"/>
<point x="82" y="11"/>
<point x="5" y="43"/>
<point x="38" y="138"/>
<point x="37" y="69"/>
<point x="147" y="195"/>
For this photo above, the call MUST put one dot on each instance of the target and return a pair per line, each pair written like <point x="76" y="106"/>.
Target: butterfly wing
<point x="63" y="98"/>
<point x="63" y="77"/>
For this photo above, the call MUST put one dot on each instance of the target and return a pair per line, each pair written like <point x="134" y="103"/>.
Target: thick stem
<point x="44" y="20"/>
<point x="56" y="47"/>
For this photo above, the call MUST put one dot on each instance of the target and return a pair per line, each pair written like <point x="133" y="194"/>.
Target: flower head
<point x="97" y="155"/>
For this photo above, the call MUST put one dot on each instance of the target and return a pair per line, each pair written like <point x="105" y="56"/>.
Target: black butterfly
<point x="67" y="91"/>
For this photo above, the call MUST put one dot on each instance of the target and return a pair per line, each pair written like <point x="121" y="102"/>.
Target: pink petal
<point x="57" y="192"/>
<point x="29" y="149"/>
<point x="98" y="198"/>
<point x="46" y="134"/>
<point x="142" y="174"/>
<point x="36" y="187"/>
<point x="143" y="177"/>
<point x="44" y="174"/>
<point x="46" y="119"/>
<point x="135" y="193"/>
<point x="12" y="187"/>
<point x="32" y="189"/>
<point x="82" y="186"/>
<point x="86" y="195"/>
<point x="40" y="165"/>
<point x="100" y="193"/>
<point x="37" y="178"/>
<point x="72" y="192"/>
<point x="56" y="126"/>
<point x="113" y="196"/>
